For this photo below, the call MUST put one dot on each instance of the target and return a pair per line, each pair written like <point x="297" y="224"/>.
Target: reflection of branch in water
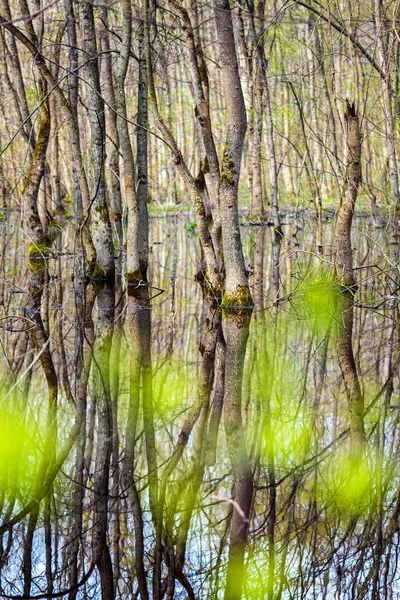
<point x="233" y="503"/>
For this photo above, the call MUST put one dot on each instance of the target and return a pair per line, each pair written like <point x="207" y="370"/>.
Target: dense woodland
<point x="199" y="276"/>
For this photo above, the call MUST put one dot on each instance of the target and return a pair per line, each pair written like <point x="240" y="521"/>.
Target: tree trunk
<point x="345" y="278"/>
<point x="98" y="210"/>
<point x="237" y="292"/>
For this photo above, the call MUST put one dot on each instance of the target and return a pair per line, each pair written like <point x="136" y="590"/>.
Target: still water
<point x="323" y="524"/>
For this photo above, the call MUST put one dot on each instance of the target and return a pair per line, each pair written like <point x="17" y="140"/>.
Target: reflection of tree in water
<point x="318" y="522"/>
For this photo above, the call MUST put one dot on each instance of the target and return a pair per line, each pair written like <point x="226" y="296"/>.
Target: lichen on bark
<point x="95" y="271"/>
<point x="102" y="211"/>
<point x="228" y="172"/>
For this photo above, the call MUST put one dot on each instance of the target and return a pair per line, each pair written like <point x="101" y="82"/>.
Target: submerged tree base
<point x="239" y="306"/>
<point x="241" y="298"/>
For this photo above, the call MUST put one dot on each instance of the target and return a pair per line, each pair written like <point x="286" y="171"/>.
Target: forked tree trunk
<point x="195" y="187"/>
<point x="70" y="116"/>
<point x="237" y="292"/>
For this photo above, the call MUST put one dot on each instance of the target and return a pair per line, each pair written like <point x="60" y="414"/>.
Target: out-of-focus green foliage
<point x="347" y="484"/>
<point x="20" y="447"/>
<point x="316" y="300"/>
<point x="288" y="436"/>
<point x="175" y="387"/>
<point x="173" y="383"/>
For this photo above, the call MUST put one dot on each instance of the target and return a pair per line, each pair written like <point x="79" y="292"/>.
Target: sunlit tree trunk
<point x="237" y="291"/>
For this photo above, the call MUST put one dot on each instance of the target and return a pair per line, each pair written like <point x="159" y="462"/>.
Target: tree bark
<point x="237" y="292"/>
<point x="99" y="216"/>
<point x="345" y="278"/>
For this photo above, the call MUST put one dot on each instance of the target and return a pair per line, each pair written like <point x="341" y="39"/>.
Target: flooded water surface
<point x="134" y="451"/>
